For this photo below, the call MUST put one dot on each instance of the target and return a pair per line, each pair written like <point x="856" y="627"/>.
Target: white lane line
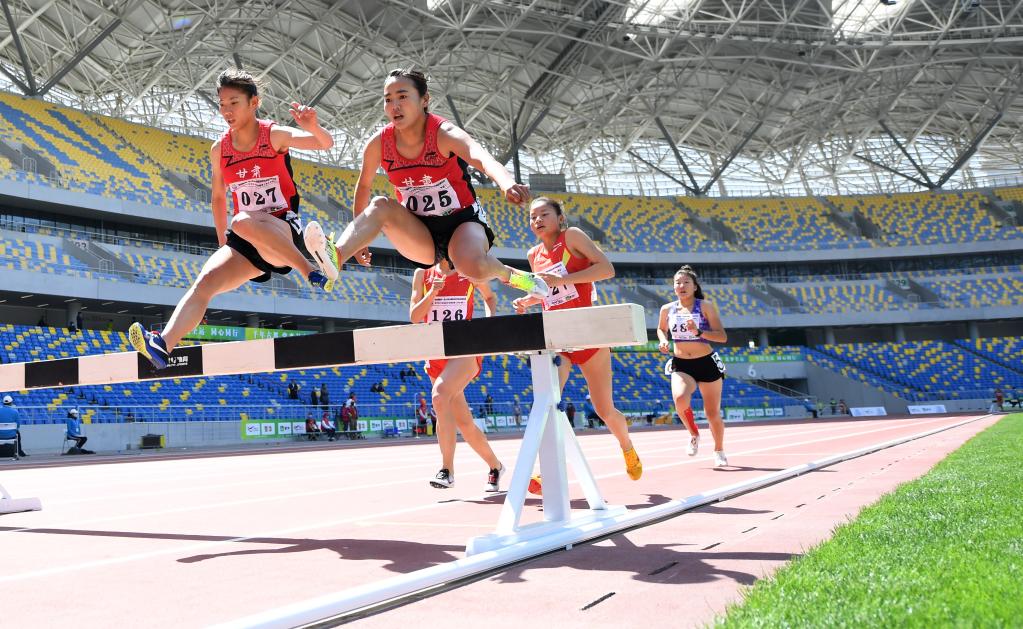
<point x="54" y="497"/>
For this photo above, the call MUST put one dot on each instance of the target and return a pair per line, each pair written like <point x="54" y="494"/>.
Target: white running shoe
<point x="443" y="479"/>
<point x="719" y="458"/>
<point x="694" y="445"/>
<point x="494" y="479"/>
<point x="322" y="249"/>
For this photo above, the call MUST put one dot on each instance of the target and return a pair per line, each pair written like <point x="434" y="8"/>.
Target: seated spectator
<point x="423" y="416"/>
<point x="590" y="412"/>
<point x="1017" y="401"/>
<point x="810" y="408"/>
<point x="74" y="432"/>
<point x="10" y="415"/>
<point x="327" y="426"/>
<point x="311" y="429"/>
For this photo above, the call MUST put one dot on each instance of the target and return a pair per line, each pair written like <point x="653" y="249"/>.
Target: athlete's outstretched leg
<point x="272" y="238"/>
<point x="469" y="251"/>
<point x="224" y="271"/>
<point x="406" y="232"/>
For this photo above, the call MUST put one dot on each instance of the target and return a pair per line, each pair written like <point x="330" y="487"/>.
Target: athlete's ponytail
<point x="688" y="270"/>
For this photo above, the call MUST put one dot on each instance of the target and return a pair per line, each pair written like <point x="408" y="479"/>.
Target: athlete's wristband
<point x="699" y="333"/>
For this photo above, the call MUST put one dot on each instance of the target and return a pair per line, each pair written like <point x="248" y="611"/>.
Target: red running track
<point x="188" y="542"/>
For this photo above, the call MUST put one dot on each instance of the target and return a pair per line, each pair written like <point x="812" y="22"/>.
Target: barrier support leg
<point x="17" y="505"/>
<point x="548" y="437"/>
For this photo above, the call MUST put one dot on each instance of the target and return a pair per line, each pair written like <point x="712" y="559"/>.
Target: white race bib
<point x="259" y="195"/>
<point x="448" y="308"/>
<point x="436" y="198"/>
<point x="677" y="324"/>
<point x="561" y="294"/>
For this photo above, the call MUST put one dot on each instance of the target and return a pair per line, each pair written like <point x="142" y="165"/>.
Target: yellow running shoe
<point x="633" y="466"/>
<point x="332" y="257"/>
<point x="529" y="283"/>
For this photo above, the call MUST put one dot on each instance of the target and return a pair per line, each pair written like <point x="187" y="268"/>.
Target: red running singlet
<point x="560" y="261"/>
<point x="453" y="303"/>
<point x="260" y="180"/>
<point x="430" y="184"/>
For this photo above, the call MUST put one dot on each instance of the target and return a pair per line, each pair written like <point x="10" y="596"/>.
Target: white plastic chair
<point x="9" y="436"/>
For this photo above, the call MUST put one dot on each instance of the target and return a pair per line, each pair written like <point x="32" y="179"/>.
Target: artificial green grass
<point x="945" y="550"/>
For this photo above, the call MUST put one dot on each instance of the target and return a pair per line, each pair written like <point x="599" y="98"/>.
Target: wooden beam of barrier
<point x="579" y="328"/>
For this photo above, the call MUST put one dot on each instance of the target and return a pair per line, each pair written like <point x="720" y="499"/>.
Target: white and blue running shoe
<point x="149" y="344"/>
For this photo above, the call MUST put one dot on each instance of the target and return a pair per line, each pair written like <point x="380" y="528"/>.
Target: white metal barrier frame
<point x="541" y="334"/>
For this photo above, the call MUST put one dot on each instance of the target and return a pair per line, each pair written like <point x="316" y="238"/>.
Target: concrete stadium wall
<point x="826" y="384"/>
<point x="48" y="438"/>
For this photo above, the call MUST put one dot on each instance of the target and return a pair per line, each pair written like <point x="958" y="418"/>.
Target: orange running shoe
<point x="535" y="485"/>
<point x="633" y="466"/>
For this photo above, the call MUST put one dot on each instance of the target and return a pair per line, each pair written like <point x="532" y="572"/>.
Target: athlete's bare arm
<point x="451" y="139"/>
<point x="716" y="333"/>
<point x="372" y="154"/>
<point x="580" y="245"/>
<point x="218" y="195"/>
<point x="309" y="135"/>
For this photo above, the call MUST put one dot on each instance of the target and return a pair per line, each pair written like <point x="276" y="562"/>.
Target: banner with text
<point x="742" y="414"/>
<point x="233" y="333"/>
<point x="271" y="428"/>
<point x="868" y="411"/>
<point x="791" y="357"/>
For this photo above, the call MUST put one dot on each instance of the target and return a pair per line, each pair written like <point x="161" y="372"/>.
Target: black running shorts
<point x="707" y="368"/>
<point x="247" y="249"/>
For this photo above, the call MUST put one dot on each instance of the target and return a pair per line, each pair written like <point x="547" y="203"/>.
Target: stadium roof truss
<point x="657" y="96"/>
